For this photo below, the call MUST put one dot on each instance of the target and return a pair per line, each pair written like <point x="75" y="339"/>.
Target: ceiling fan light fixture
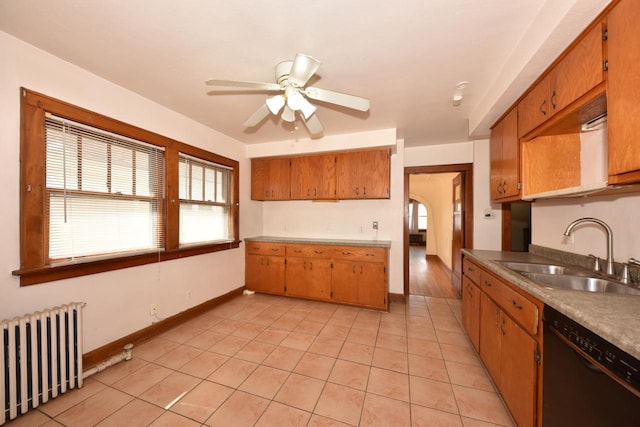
<point x="275" y="104"/>
<point x="288" y="115"/>
<point x="297" y="102"/>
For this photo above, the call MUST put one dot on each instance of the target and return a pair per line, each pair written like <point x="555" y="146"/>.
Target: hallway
<point x="427" y="276"/>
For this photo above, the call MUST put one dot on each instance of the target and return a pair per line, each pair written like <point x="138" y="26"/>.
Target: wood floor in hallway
<point x="427" y="275"/>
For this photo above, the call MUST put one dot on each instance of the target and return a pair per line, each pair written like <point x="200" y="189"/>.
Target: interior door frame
<point x="466" y="170"/>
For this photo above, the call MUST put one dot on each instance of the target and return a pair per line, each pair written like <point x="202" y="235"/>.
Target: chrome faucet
<point x="607" y="229"/>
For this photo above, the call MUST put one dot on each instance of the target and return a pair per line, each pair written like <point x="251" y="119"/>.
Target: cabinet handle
<point x="357" y="190"/>
<point x="553" y="99"/>
<point x="274" y="249"/>
<point x="315" y="192"/>
<point x="502" y="327"/>
<point x="364" y="191"/>
<point x="369" y="254"/>
<point x="319" y="252"/>
<point x="470" y="268"/>
<point x="298" y="251"/>
<point x="346" y="253"/>
<point x="354" y="269"/>
<point x="310" y="265"/>
<point x="486" y="283"/>
<point x="515" y="304"/>
<point x="308" y="192"/>
<point x="504" y="187"/>
<point x="542" y="110"/>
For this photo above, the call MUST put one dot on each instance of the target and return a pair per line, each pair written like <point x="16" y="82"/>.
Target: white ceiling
<point x="406" y="56"/>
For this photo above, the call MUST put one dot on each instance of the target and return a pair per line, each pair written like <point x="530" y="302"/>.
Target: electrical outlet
<point x="188" y="296"/>
<point x="375" y="225"/>
<point x="154" y="310"/>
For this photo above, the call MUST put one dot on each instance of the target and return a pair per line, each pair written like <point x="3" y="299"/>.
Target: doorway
<point x="440" y="275"/>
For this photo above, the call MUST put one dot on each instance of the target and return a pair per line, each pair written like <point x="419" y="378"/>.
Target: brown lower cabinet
<point x="353" y="275"/>
<point x="507" y="323"/>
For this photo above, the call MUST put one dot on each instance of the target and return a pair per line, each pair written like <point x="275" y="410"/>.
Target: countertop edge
<point x="616" y="318"/>
<point x="320" y="241"/>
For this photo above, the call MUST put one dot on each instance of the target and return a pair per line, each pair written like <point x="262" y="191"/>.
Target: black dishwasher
<point x="587" y="381"/>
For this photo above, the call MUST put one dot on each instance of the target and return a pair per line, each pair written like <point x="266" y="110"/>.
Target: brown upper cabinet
<point x="363" y="174"/>
<point x="505" y="159"/>
<point x="270" y="179"/>
<point x="313" y="177"/>
<point x="623" y="92"/>
<point x="580" y="70"/>
<point x="344" y="175"/>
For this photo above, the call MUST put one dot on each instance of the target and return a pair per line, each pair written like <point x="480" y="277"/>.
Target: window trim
<point x="34" y="263"/>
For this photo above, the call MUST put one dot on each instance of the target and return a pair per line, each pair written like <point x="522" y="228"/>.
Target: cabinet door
<point x="270" y="179"/>
<point x="308" y="277"/>
<point x="259" y="179"/>
<point x="344" y="286"/>
<point x="490" y="337"/>
<point x="534" y="108"/>
<point x="495" y="153"/>
<point x="518" y="372"/>
<point x="265" y="273"/>
<point x="375" y="174"/>
<point x="279" y="179"/>
<point x="623" y="108"/>
<point x="510" y="165"/>
<point x="318" y="278"/>
<point x="372" y="284"/>
<point x="363" y="174"/>
<point x="505" y="158"/>
<point x="471" y="311"/>
<point x="313" y="177"/>
<point x="295" y="279"/>
<point x="578" y="72"/>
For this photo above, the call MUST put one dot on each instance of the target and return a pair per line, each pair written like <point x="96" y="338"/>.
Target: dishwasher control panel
<point x="618" y="362"/>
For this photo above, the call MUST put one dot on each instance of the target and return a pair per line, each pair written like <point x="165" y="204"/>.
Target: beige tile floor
<point x="272" y="361"/>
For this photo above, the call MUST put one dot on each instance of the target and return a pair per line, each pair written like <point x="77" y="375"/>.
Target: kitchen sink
<point x="581" y="283"/>
<point x="532" y="267"/>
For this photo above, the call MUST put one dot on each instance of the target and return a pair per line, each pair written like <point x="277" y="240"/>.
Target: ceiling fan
<point x="291" y="78"/>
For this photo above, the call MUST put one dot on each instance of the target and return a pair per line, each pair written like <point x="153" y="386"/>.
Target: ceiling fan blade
<point x="304" y="66"/>
<point x="314" y="126"/>
<point x="257" y="117"/>
<point x="342" y="99"/>
<point x="250" y="85"/>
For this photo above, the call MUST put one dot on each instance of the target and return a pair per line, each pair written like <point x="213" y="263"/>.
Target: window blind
<point x="104" y="192"/>
<point x="204" y="200"/>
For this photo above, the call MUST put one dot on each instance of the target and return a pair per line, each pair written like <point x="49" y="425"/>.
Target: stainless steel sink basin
<point x="581" y="283"/>
<point x="532" y="267"/>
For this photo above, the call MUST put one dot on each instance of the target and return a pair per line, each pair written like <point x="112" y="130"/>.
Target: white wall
<point x="118" y="302"/>
<point x="487" y="232"/>
<point x="550" y="218"/>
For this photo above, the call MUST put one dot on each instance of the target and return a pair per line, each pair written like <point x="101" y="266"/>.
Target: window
<point x="98" y="194"/>
<point x="417" y="216"/>
<point x="103" y="192"/>
<point x="204" y="201"/>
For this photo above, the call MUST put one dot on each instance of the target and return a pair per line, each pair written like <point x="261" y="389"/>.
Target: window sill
<point x="51" y="273"/>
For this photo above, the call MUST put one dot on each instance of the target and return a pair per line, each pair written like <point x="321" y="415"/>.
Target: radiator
<point x="40" y="358"/>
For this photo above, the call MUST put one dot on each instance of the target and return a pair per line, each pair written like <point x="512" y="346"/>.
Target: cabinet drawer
<point x="359" y="253"/>
<point x="308" y="251"/>
<point x="262" y="248"/>
<point x="522" y="310"/>
<point x="471" y="270"/>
